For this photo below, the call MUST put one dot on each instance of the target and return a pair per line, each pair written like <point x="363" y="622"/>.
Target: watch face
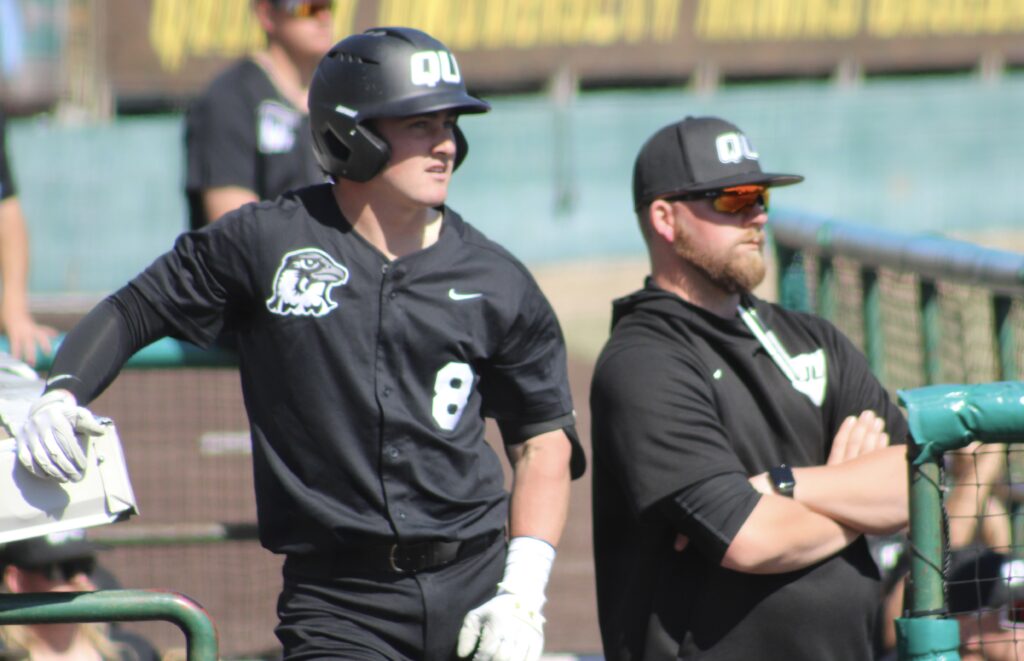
<point x="782" y="478"/>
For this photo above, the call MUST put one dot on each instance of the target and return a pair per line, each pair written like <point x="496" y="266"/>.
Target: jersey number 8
<point x="452" y="388"/>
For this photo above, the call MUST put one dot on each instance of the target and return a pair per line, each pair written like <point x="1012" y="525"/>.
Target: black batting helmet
<point x="383" y="72"/>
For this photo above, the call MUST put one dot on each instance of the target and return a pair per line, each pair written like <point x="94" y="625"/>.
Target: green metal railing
<point x="942" y="417"/>
<point x="802" y="242"/>
<point x="116" y="606"/>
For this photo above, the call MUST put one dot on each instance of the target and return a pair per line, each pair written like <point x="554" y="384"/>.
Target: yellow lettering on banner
<point x="493" y="24"/>
<point x="574" y="13"/>
<point x="434" y="18"/>
<point x="665" y="20"/>
<point x="774" y="20"/>
<point x="551" y="22"/>
<point x="166" y="33"/>
<point x="633" y="21"/>
<point x="522" y="24"/>
<point x="883" y="19"/>
<point x="526" y="24"/>
<point x="234" y="13"/>
<point x="911" y="18"/>
<point x="344" y="12"/>
<point x="203" y="30"/>
<point x="386" y="12"/>
<point x="601" y="26"/>
<point x="462" y="31"/>
<point x="780" y="20"/>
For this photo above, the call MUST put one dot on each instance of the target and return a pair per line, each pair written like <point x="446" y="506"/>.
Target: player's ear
<point x="264" y="15"/>
<point x="660" y="219"/>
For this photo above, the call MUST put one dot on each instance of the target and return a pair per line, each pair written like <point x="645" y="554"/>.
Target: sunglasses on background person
<point x="733" y="200"/>
<point x="63" y="572"/>
<point x="305" y="8"/>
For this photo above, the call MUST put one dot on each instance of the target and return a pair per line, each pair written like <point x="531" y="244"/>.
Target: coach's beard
<point x="733" y="273"/>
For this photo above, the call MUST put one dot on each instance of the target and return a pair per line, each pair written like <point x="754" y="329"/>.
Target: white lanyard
<point x="769" y="341"/>
<point x="807" y="372"/>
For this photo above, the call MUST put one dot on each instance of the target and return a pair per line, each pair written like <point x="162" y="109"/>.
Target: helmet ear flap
<point x="461" y="148"/>
<point x="351" y="150"/>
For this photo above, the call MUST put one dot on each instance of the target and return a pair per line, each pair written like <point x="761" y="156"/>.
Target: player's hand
<point x="48" y="444"/>
<point x="509" y="627"/>
<point x="858" y="435"/>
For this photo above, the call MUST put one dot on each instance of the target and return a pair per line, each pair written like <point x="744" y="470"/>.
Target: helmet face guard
<point x="383" y="72"/>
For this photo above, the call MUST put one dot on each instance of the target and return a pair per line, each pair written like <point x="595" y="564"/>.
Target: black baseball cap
<point x="980" y="578"/>
<point x="38" y="552"/>
<point x="695" y="155"/>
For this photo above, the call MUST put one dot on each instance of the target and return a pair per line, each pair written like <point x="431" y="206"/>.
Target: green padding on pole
<point x="927" y="640"/>
<point x="948" y="417"/>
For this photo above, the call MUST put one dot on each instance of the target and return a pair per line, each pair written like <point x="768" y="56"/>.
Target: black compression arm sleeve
<point x="101" y="343"/>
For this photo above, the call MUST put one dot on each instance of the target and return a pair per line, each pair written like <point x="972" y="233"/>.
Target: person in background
<point x="247" y="136"/>
<point x="24" y="335"/>
<point x="62" y="562"/>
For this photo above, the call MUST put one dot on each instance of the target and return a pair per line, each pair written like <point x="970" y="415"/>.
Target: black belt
<point x="394" y="558"/>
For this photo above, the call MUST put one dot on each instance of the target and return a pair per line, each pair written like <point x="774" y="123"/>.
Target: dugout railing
<point x="926" y="310"/>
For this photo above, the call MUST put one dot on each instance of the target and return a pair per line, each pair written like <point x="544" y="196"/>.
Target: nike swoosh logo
<point x="459" y="296"/>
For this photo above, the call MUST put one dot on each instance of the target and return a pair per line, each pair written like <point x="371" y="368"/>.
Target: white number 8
<point x="452" y="388"/>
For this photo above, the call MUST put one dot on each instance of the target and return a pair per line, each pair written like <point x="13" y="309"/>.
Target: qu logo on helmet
<point x="429" y="67"/>
<point x="303" y="283"/>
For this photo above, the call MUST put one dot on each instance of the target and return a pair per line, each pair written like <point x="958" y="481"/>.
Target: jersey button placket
<point x="391" y="455"/>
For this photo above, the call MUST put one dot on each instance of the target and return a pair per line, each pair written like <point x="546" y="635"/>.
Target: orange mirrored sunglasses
<point x="306" y="8"/>
<point x="735" y="199"/>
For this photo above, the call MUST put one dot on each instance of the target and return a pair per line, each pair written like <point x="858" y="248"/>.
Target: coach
<point x="740" y="450"/>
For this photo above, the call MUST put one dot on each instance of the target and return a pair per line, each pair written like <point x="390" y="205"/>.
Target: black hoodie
<point x="686" y="406"/>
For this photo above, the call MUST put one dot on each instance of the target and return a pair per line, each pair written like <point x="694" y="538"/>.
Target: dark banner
<point x="170" y="48"/>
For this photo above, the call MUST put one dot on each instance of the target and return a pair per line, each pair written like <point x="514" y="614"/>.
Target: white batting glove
<point x="510" y="626"/>
<point x="47" y="442"/>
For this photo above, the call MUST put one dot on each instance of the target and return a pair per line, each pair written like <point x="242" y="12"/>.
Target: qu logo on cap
<point x="428" y="67"/>
<point x="734" y="147"/>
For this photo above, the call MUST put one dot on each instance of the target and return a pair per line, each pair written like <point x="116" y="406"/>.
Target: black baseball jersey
<point x="686" y="406"/>
<point x="366" y="381"/>
<point x="7" y="188"/>
<point x="242" y="132"/>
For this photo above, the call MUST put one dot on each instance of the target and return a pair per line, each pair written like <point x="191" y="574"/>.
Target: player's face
<point x="422" y="156"/>
<point x="67" y="577"/>
<point x="727" y="248"/>
<point x="304" y="29"/>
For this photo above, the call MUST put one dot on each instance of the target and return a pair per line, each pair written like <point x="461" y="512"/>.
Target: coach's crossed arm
<point x="861" y="489"/>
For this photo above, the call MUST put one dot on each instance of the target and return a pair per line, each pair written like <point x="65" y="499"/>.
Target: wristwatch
<point x="782" y="479"/>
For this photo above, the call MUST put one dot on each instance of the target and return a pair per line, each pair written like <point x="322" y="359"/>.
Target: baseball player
<point x="375" y="329"/>
<point x="741" y="450"/>
<point x="247" y="136"/>
<point x="25" y="336"/>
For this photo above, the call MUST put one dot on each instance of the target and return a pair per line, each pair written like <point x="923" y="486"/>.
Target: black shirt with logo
<point x="686" y="406"/>
<point x="367" y="380"/>
<point x="242" y="132"/>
